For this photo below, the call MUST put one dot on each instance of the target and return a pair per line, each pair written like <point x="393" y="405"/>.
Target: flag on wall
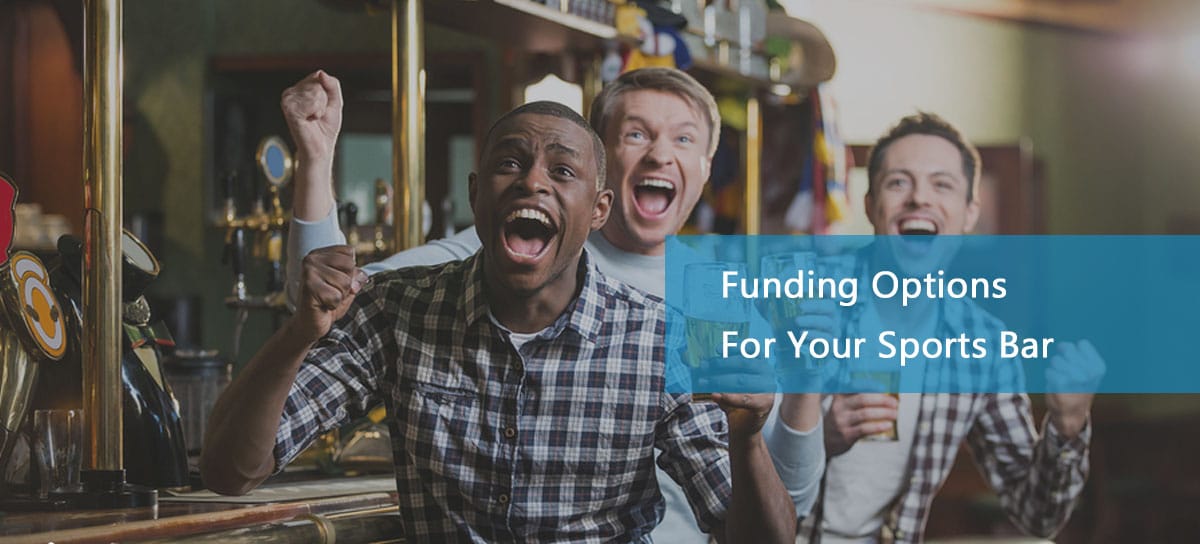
<point x="822" y="198"/>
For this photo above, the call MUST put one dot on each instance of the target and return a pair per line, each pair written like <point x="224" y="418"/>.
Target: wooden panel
<point x="41" y="110"/>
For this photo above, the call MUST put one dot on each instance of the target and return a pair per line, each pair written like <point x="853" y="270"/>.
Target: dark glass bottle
<point x="155" y="453"/>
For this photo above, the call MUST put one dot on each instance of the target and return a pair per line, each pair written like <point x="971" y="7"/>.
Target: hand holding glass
<point x="709" y="315"/>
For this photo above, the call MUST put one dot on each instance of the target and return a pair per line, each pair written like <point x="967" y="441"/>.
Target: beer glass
<point x="867" y="376"/>
<point x="879" y="380"/>
<point x="57" y="445"/>
<point x="708" y="314"/>
<point x="780" y="311"/>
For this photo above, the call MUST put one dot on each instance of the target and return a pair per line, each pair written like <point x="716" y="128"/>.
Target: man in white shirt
<point x="923" y="178"/>
<point x="660" y="129"/>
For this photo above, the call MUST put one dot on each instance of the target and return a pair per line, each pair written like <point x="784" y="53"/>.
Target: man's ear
<point x="602" y="208"/>
<point x="471" y="183"/>
<point x="869" y="207"/>
<point x="972" y="216"/>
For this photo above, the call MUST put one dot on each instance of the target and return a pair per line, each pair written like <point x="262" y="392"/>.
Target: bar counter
<point x="368" y="517"/>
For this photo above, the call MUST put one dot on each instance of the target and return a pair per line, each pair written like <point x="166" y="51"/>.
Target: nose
<point x="658" y="154"/>
<point x="536" y="180"/>
<point x="921" y="194"/>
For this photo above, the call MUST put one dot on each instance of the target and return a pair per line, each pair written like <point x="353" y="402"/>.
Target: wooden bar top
<point x="170" y="519"/>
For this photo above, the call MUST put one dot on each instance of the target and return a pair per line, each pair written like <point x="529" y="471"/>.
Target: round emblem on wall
<point x="38" y="306"/>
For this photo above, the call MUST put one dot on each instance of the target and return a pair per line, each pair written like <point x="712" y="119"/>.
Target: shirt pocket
<point x="441" y="422"/>
<point x="442" y="395"/>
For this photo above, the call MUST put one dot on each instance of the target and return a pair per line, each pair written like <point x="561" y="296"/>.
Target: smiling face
<point x="536" y="200"/>
<point x="921" y="189"/>
<point x="658" y="162"/>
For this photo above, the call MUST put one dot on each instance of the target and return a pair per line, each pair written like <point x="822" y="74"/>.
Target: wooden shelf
<point x="536" y="28"/>
<point x="524" y="24"/>
<point x="707" y="67"/>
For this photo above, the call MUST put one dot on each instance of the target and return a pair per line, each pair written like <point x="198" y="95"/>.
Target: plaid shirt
<point x="1038" y="477"/>
<point x="552" y="443"/>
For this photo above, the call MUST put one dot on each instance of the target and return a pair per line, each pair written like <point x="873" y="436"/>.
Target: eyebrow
<point x="910" y="173"/>
<point x="510" y="141"/>
<point x="563" y="148"/>
<point x="520" y="142"/>
<point x="685" y="124"/>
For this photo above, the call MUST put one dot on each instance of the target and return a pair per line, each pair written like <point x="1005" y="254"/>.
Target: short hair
<point x="669" y="80"/>
<point x="932" y="125"/>
<point x="554" y="109"/>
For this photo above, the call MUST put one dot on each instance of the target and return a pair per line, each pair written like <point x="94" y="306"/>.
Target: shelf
<point x="536" y="28"/>
<point x="523" y="24"/>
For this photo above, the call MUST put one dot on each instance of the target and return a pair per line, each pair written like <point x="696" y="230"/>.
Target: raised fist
<point x="313" y="111"/>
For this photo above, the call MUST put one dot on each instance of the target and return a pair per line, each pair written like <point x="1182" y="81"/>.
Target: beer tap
<point x="383" y="217"/>
<point x="229" y="213"/>
<point x="379" y="245"/>
<point x="235" y="256"/>
<point x="348" y="216"/>
<point x="265" y="223"/>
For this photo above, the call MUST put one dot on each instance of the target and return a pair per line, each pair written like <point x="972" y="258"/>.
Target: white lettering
<point x="1012" y="346"/>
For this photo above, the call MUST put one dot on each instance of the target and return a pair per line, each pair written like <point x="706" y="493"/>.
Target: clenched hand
<point x="330" y="281"/>
<point x="313" y="111"/>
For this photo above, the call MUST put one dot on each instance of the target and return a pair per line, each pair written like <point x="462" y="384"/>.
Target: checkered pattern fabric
<point x="1037" y="476"/>
<point x="555" y="442"/>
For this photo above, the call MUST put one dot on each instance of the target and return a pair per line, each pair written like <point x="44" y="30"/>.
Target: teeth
<point x="529" y="213"/>
<point x="659" y="183"/>
<point x="918" y="224"/>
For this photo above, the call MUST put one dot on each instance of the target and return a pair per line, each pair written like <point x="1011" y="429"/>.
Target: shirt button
<point x="924" y="427"/>
<point x="510" y="432"/>
<point x="502" y="498"/>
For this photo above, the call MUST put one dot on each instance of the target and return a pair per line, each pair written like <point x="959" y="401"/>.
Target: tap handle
<point x="349" y="212"/>
<point x="235" y="251"/>
<point x="383" y="202"/>
<point x="230" y="186"/>
<point x="275" y="259"/>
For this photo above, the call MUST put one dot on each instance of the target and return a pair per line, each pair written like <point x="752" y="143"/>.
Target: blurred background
<point x="1086" y="113"/>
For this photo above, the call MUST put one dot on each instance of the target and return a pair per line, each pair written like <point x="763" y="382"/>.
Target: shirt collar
<point x="473" y="303"/>
<point x="584" y="315"/>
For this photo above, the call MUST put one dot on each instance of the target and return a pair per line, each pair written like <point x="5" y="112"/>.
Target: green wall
<point x="1114" y="117"/>
<point x="168" y="48"/>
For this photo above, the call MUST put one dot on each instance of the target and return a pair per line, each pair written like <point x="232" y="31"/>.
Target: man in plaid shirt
<point x="923" y="176"/>
<point x="527" y="388"/>
<point x="661" y="129"/>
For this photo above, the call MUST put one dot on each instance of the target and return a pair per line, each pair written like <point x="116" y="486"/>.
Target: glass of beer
<point x="708" y="314"/>
<point x="780" y="310"/>
<point x="879" y="380"/>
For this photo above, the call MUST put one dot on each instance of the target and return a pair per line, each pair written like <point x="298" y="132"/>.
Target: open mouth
<point x="918" y="227"/>
<point x="653" y="195"/>
<point x="527" y="232"/>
